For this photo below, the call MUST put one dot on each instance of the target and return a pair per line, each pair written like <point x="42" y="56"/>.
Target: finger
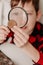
<point x="2" y="37"/>
<point x="20" y="34"/>
<point x="3" y="32"/>
<point x="1" y="41"/>
<point x="5" y="28"/>
<point x="17" y="42"/>
<point x="21" y="31"/>
<point x="21" y="39"/>
<point x="20" y="42"/>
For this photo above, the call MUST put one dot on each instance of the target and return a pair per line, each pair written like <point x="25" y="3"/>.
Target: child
<point x="31" y="33"/>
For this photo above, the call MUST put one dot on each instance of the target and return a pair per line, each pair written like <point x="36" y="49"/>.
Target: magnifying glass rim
<point x="23" y="10"/>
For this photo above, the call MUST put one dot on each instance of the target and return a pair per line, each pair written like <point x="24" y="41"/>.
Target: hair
<point x="34" y="2"/>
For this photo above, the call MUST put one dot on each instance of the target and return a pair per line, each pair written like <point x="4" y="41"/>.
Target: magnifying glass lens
<point x="18" y="15"/>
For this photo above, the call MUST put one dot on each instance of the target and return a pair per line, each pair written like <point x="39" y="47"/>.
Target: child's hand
<point x="20" y="38"/>
<point x="3" y="33"/>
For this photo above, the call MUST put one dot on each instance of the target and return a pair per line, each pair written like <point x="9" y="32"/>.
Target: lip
<point x="24" y="27"/>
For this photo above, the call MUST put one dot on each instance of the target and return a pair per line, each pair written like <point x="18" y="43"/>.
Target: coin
<point x="11" y="23"/>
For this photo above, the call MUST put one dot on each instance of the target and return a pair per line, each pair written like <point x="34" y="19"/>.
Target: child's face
<point x="32" y="17"/>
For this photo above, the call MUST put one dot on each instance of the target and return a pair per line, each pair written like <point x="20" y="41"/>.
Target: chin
<point x="28" y="32"/>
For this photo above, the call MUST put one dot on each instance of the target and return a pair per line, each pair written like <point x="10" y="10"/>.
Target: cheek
<point x="32" y="18"/>
<point x="31" y="22"/>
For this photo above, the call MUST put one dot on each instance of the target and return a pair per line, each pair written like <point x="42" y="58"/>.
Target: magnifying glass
<point x="19" y="16"/>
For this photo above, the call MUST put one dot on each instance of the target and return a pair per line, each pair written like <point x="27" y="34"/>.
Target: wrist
<point x="40" y="61"/>
<point x="31" y="52"/>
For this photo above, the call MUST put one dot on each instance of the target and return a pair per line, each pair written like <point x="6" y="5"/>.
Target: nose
<point x="19" y="4"/>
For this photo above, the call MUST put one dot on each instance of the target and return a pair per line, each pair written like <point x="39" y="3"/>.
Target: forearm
<point x="31" y="52"/>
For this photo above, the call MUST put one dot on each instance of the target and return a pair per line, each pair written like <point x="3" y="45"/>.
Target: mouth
<point x="24" y="27"/>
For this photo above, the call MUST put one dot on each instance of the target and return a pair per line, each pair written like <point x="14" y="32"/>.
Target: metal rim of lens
<point x="23" y="10"/>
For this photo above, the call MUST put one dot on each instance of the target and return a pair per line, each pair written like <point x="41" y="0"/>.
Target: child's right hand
<point x="4" y="31"/>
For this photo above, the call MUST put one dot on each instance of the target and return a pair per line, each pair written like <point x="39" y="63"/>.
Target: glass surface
<point x="19" y="16"/>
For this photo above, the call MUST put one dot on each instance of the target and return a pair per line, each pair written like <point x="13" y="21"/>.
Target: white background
<point x="41" y="8"/>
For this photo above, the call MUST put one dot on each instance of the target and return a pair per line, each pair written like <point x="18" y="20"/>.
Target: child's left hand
<point x="20" y="37"/>
<point x="21" y="40"/>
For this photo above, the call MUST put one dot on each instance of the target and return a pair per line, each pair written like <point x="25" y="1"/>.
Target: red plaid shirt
<point x="36" y="39"/>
